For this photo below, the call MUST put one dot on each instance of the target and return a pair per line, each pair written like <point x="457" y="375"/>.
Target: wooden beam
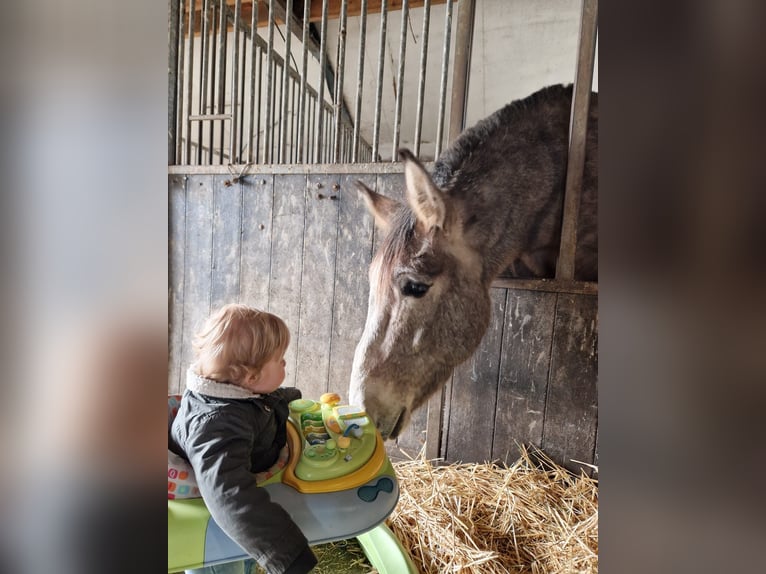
<point x="333" y="9"/>
<point x="355" y="7"/>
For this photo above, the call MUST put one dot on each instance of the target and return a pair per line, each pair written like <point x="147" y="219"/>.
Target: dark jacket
<point x="228" y="434"/>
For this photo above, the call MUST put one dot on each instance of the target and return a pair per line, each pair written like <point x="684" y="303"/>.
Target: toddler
<point x="232" y="424"/>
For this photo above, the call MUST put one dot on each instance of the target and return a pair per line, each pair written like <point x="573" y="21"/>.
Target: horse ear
<point x="381" y="207"/>
<point x="424" y="198"/>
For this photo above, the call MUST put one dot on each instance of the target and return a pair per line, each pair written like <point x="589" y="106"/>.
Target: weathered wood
<point x="572" y="403"/>
<point x="317" y="283"/>
<point x="333" y="10"/>
<point x="353" y="256"/>
<point x="549" y="285"/>
<point x="227" y="225"/>
<point x="435" y="410"/>
<point x="474" y="394"/>
<point x="595" y="454"/>
<point x="176" y="268"/>
<point x="523" y="372"/>
<point x="299" y="169"/>
<point x="286" y="264"/>
<point x="255" y="267"/>
<point x="197" y="262"/>
<point x="578" y="131"/>
<point x="412" y="438"/>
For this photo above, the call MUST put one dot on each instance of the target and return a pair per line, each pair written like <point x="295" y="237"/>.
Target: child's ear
<point x="252" y="378"/>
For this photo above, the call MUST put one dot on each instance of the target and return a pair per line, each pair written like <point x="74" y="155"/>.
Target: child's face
<point x="272" y="375"/>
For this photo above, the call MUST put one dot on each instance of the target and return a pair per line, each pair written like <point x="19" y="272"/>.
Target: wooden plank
<point x="227" y="225"/>
<point x="255" y="266"/>
<point x="355" y="7"/>
<point x="446" y="397"/>
<point x="298" y="169"/>
<point x="333" y="10"/>
<point x="572" y="406"/>
<point x="317" y="285"/>
<point x="176" y="250"/>
<point x="197" y="262"/>
<point x="595" y="454"/>
<point x="353" y="256"/>
<point x="286" y="263"/>
<point x="474" y="394"/>
<point x="524" y="370"/>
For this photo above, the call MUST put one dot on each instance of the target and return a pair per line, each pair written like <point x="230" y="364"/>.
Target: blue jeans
<point x="239" y="567"/>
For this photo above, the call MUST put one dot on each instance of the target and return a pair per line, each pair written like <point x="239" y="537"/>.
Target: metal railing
<point x="238" y="96"/>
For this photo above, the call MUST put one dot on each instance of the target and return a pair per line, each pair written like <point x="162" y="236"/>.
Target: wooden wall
<point x="299" y="244"/>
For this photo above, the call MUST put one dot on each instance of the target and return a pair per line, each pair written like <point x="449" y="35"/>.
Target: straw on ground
<point x="531" y="517"/>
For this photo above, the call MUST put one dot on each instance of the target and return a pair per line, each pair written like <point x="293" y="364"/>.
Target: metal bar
<point x="222" y="29"/>
<point x="234" y="86"/>
<point x="173" y="38"/>
<point x="252" y="155"/>
<point x="302" y="157"/>
<point x="213" y="74"/>
<point x="180" y="122"/>
<point x="282" y="119"/>
<point x="285" y="81"/>
<point x="328" y="136"/>
<point x="294" y="120"/>
<point x="269" y="85"/>
<point x="212" y="71"/>
<point x="241" y="127"/>
<point x="204" y="64"/>
<point x="461" y="63"/>
<point x="400" y="78"/>
<point x="422" y="81"/>
<point x="320" y="87"/>
<point x="309" y="153"/>
<point x="379" y="87"/>
<point x="359" y="81"/>
<point x="290" y="139"/>
<point x="211" y="117"/>
<point x="578" y="131"/>
<point x="258" y="108"/>
<point x="190" y="84"/>
<point x="341" y="60"/>
<point x="274" y="148"/>
<point x="443" y="82"/>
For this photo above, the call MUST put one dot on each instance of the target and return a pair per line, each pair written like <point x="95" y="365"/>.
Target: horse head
<point x="429" y="303"/>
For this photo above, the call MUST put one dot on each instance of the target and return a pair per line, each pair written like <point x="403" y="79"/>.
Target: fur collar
<point x="211" y="388"/>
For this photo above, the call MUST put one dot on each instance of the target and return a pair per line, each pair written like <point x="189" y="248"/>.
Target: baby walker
<point x="333" y="477"/>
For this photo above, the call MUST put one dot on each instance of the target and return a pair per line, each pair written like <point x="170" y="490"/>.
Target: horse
<point x="493" y="203"/>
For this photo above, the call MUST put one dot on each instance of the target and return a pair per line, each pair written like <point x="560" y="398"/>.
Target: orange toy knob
<point x="330" y="399"/>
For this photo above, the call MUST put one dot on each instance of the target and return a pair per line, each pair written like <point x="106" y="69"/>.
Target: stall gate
<point x="292" y="237"/>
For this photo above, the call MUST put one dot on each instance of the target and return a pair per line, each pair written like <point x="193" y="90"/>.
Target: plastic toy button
<point x="370" y="492"/>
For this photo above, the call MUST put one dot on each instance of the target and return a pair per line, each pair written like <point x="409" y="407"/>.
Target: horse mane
<point x="447" y="166"/>
<point x="393" y="246"/>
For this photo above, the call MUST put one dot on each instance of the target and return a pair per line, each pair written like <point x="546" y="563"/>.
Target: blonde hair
<point x="236" y="341"/>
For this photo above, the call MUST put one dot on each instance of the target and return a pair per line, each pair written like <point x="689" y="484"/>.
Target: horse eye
<point x="412" y="289"/>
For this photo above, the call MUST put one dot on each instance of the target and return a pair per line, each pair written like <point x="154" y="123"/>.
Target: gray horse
<point x="494" y="202"/>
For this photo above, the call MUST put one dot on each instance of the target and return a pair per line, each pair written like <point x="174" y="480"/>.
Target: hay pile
<point x="479" y="518"/>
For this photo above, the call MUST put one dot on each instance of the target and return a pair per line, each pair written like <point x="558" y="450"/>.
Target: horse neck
<point x="485" y="224"/>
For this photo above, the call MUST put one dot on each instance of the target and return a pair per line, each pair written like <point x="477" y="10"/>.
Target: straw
<point x="533" y="516"/>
